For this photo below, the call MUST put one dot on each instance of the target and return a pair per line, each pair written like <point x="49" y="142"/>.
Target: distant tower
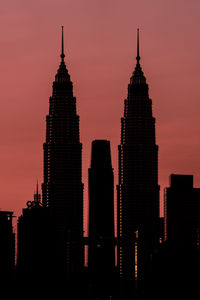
<point x="138" y="190"/>
<point x="101" y="260"/>
<point x="36" y="247"/>
<point x="62" y="187"/>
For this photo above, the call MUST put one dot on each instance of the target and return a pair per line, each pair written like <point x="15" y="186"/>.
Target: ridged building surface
<point x="138" y="190"/>
<point x="62" y="187"/>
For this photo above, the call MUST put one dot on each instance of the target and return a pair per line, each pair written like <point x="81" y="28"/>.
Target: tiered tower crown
<point x="62" y="73"/>
<point x="138" y="75"/>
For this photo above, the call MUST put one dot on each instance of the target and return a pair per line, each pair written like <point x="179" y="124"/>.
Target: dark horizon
<point x="100" y="50"/>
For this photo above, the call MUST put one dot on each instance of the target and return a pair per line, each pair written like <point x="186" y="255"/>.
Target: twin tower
<point x="125" y="259"/>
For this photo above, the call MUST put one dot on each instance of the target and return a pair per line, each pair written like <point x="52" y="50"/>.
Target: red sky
<point x="100" y="46"/>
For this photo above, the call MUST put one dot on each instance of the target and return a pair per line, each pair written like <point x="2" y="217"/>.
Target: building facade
<point x="180" y="263"/>
<point x="138" y="189"/>
<point x="182" y="212"/>
<point x="36" y="245"/>
<point x="62" y="187"/>
<point x="101" y="260"/>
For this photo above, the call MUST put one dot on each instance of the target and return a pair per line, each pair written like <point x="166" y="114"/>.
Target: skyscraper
<point x="62" y="187"/>
<point x="101" y="260"/>
<point x="138" y="189"/>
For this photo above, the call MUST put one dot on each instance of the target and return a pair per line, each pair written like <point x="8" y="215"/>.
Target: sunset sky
<point x="100" y="48"/>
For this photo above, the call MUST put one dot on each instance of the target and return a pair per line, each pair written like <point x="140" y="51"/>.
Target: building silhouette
<point x="156" y="257"/>
<point x="62" y="188"/>
<point x="177" y="263"/>
<point x="36" y="247"/>
<point x="7" y="250"/>
<point x="138" y="189"/>
<point x="182" y="212"/>
<point x="101" y="260"/>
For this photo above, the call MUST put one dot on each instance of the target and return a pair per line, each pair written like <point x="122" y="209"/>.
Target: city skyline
<point x="95" y="227"/>
<point x="21" y="155"/>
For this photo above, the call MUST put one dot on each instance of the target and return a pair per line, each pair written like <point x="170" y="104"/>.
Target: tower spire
<point x="138" y="75"/>
<point x="62" y="73"/>
<point x="37" y="188"/>
<point x="138" y="46"/>
<point x="37" y="195"/>
<point x="62" y="46"/>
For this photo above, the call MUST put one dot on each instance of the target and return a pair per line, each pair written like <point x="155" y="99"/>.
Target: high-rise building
<point x="7" y="250"/>
<point x="101" y="260"/>
<point x="62" y="187"/>
<point x="37" y="259"/>
<point x="182" y="212"/>
<point x="138" y="189"/>
<point x="35" y="255"/>
<point x="179" y="259"/>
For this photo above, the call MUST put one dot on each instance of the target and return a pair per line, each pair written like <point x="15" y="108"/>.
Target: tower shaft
<point x="62" y="187"/>
<point x="101" y="260"/>
<point x="138" y="190"/>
